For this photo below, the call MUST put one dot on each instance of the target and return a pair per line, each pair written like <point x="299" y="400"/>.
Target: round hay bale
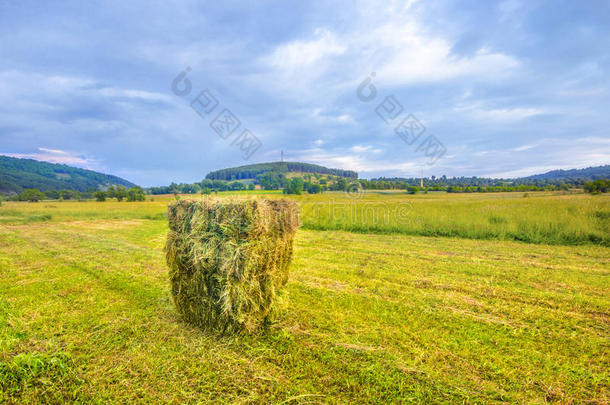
<point x="227" y="260"/>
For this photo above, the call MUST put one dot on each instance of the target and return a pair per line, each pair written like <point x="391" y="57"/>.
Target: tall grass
<point x="545" y="218"/>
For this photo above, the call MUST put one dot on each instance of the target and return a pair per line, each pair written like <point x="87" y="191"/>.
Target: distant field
<point x="86" y="313"/>
<point x="537" y="218"/>
<point x="551" y="218"/>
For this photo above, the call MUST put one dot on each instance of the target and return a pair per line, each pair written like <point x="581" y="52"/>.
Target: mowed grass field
<point x="374" y="312"/>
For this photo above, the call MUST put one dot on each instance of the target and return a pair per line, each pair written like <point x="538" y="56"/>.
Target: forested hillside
<point x="19" y="174"/>
<point x="590" y="173"/>
<point x="251" y="171"/>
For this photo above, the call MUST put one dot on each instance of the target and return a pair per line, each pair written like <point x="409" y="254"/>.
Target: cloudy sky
<point x="508" y="88"/>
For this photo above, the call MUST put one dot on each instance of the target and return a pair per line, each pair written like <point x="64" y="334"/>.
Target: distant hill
<point x="251" y="171"/>
<point x="18" y="174"/>
<point x="590" y="173"/>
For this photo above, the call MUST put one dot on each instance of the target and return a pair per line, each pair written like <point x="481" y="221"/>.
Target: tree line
<point x="119" y="192"/>
<point x="598" y="186"/>
<point x="296" y="185"/>
<point x="317" y="183"/>
<point x="252" y="171"/>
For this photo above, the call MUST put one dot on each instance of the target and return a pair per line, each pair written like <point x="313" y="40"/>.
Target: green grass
<point x="540" y="218"/>
<point x="40" y="375"/>
<point x="86" y="313"/>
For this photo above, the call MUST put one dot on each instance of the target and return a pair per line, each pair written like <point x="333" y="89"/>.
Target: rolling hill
<point x="251" y="171"/>
<point x="589" y="173"/>
<point x="18" y="174"/>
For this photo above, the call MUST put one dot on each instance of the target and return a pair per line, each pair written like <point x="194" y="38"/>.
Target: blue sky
<point x="509" y="88"/>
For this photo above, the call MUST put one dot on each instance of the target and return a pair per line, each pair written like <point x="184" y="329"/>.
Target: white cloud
<point x="393" y="43"/>
<point x="410" y="55"/>
<point x="360" y="148"/>
<point x="524" y="148"/>
<point x="563" y="153"/>
<point x="53" y="151"/>
<point x="274" y="74"/>
<point x="408" y="50"/>
<point x="325" y="117"/>
<point x="344" y="118"/>
<point x="361" y="163"/>
<point x="113" y="92"/>
<point x="302" y="54"/>
<point x="507" y="114"/>
<point x="480" y="112"/>
<point x="55" y="156"/>
<point x="14" y="82"/>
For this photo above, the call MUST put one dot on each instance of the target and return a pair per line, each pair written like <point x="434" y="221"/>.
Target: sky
<point x="392" y="88"/>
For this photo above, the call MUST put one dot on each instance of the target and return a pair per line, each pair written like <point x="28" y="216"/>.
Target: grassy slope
<point x="85" y="313"/>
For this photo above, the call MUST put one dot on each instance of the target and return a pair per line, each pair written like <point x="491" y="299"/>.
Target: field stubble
<point x="86" y="313"/>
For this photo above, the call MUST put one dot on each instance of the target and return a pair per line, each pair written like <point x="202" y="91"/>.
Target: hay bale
<point x="228" y="260"/>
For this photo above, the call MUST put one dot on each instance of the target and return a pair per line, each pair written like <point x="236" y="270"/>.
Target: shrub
<point x="228" y="260"/>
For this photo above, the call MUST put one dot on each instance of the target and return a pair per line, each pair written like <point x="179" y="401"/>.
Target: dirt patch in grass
<point x="358" y="347"/>
<point x="106" y="225"/>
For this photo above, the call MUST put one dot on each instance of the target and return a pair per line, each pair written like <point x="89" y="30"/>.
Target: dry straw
<point x="228" y="260"/>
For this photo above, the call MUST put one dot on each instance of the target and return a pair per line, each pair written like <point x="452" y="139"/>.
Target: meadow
<point x="534" y="217"/>
<point x="476" y="298"/>
<point x="531" y="217"/>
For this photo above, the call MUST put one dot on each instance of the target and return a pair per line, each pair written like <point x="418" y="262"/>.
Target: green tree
<point x="597" y="186"/>
<point x="32" y="195"/>
<point x="120" y="193"/>
<point x="295" y="186"/>
<point x="190" y="188"/>
<point x="237" y="185"/>
<point x="135" y="194"/>
<point x="412" y="189"/>
<point x="67" y="194"/>
<point x="100" y="195"/>
<point x="342" y="184"/>
<point x="313" y="188"/>
<point x="52" y="194"/>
